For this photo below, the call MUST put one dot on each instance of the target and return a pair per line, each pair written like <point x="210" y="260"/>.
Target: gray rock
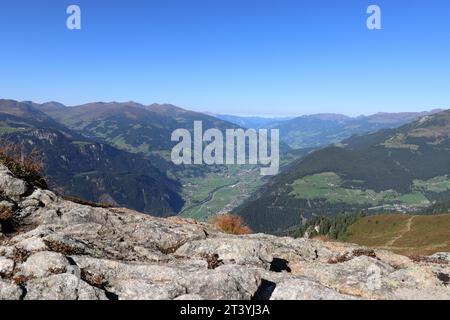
<point x="232" y="250"/>
<point x="228" y="282"/>
<point x="43" y="264"/>
<point x="111" y="270"/>
<point x="65" y="244"/>
<point x="7" y="251"/>
<point x="6" y="267"/>
<point x="32" y="244"/>
<point x="11" y="186"/>
<point x="62" y="287"/>
<point x="441" y="256"/>
<point x="45" y="197"/>
<point x="305" y="289"/>
<point x="9" y="291"/>
<point x="7" y="204"/>
<point x="189" y="297"/>
<point x="134" y="289"/>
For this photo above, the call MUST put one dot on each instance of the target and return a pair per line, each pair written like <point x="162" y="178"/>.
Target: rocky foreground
<point x="51" y="248"/>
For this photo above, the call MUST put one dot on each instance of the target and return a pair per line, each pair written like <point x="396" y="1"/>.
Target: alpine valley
<point x="402" y="170"/>
<point x="119" y="154"/>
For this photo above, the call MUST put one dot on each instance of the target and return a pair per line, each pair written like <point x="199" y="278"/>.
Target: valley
<point x="219" y="193"/>
<point x="375" y="172"/>
<point x="140" y="132"/>
<point x="402" y="170"/>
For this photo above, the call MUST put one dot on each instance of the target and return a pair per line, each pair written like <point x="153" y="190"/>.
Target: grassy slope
<point x="404" y="234"/>
<point x="329" y="185"/>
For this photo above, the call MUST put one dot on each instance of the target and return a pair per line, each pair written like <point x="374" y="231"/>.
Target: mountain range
<point x="87" y="168"/>
<point x="119" y="153"/>
<point x="319" y="130"/>
<point x="252" y="122"/>
<point x="401" y="170"/>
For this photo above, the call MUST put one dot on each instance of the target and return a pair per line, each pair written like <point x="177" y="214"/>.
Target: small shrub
<point x="323" y="238"/>
<point x="22" y="165"/>
<point x="231" y="224"/>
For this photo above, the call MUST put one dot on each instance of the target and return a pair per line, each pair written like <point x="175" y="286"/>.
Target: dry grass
<point x="231" y="224"/>
<point x="323" y="238"/>
<point x="376" y="230"/>
<point x="417" y="236"/>
<point x="27" y="166"/>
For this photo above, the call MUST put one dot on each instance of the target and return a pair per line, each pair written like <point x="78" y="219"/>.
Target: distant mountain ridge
<point x="252" y="122"/>
<point x="319" y="130"/>
<point x="131" y="126"/>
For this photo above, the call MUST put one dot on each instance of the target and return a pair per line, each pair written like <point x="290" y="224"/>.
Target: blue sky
<point x="284" y="57"/>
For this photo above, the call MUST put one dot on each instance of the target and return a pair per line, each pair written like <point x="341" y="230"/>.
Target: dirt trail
<point x="391" y="242"/>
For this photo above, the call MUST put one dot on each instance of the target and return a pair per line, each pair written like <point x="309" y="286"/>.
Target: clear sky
<point x="285" y="57"/>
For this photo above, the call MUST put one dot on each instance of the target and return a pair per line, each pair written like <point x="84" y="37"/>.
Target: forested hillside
<point x="79" y="166"/>
<point x="400" y="170"/>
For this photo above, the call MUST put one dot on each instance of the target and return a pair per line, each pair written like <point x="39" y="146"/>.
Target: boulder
<point x="11" y="186"/>
<point x="62" y="287"/>
<point x="305" y="289"/>
<point x="6" y="267"/>
<point x="42" y="264"/>
<point x="10" y="291"/>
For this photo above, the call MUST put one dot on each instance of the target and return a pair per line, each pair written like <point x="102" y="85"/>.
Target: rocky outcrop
<point x="55" y="249"/>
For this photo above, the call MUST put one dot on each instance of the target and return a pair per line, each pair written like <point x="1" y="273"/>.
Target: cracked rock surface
<point x="51" y="248"/>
